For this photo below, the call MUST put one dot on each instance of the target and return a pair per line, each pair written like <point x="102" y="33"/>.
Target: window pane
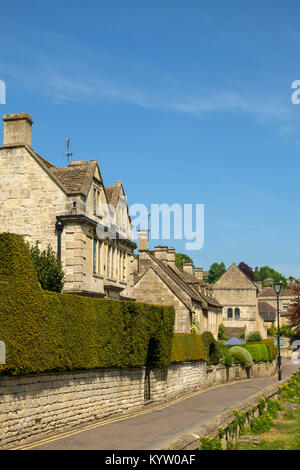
<point x="237" y="312"/>
<point x="229" y="312"/>
<point x="94" y="255"/>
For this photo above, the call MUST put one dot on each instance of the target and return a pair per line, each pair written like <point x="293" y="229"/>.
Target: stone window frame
<point x="230" y="311"/>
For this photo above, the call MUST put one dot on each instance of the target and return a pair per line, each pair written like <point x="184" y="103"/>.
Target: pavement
<point x="155" y="427"/>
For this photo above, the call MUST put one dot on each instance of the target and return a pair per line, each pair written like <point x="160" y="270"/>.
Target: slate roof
<point x="112" y="193"/>
<point x="270" y="292"/>
<point x="266" y="311"/>
<point x="76" y="178"/>
<point x="177" y="278"/>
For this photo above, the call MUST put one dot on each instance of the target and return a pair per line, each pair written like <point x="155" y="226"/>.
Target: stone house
<point x="159" y="281"/>
<point x="65" y="207"/>
<point x="286" y="298"/>
<point x="239" y="297"/>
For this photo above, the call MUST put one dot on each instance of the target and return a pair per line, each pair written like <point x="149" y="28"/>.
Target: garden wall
<point x="37" y="405"/>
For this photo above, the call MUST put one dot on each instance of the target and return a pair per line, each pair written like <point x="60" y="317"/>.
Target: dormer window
<point x="74" y="205"/>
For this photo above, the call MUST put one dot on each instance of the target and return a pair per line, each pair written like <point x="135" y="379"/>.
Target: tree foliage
<point x="247" y="270"/>
<point x="181" y="258"/>
<point x="264" y="272"/>
<point x="48" y="268"/>
<point x="215" y="272"/>
<point x="294" y="311"/>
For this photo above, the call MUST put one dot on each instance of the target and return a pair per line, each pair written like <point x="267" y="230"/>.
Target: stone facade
<point x="38" y="405"/>
<point x="159" y="281"/>
<point x="60" y="207"/>
<point x="238" y="296"/>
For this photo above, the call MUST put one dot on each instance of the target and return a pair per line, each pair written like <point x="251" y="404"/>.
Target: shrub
<point x="187" y="347"/>
<point x="211" y="348"/>
<point x="47" y="331"/>
<point x="254" y="337"/>
<point x="210" y="443"/>
<point x="221" y="332"/>
<point x="241" y="356"/>
<point x="273" y="330"/>
<point x="271" y="348"/>
<point x="259" y="352"/>
<point x="48" y="268"/>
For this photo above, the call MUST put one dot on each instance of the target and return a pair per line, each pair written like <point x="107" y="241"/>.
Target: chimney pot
<point x="143" y="240"/>
<point x="17" y="129"/>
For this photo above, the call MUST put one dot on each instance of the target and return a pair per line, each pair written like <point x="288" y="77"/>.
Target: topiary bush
<point x="47" y="331"/>
<point x="211" y="348"/>
<point x="241" y="356"/>
<point x="271" y="348"/>
<point x="187" y="347"/>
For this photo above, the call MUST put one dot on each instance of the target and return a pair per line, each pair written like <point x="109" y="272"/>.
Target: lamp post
<point x="277" y="287"/>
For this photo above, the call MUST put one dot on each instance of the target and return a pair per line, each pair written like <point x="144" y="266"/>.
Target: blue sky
<point x="185" y="102"/>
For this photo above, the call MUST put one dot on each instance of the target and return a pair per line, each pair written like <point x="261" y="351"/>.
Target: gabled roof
<point x="76" y="178"/>
<point x="173" y="275"/>
<point x="238" y="270"/>
<point x="113" y="193"/>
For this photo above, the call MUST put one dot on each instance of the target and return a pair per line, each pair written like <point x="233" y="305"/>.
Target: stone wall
<point x="38" y="405"/>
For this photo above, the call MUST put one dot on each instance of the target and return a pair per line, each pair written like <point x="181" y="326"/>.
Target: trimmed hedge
<point x="46" y="331"/>
<point x="241" y="356"/>
<point x="271" y="348"/>
<point x="211" y="348"/>
<point x="259" y="352"/>
<point x="187" y="347"/>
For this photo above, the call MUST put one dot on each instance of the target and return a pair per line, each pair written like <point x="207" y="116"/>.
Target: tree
<point x="265" y="272"/>
<point x="48" y="268"/>
<point x="294" y="311"/>
<point x="247" y="270"/>
<point x="181" y="258"/>
<point x="215" y="272"/>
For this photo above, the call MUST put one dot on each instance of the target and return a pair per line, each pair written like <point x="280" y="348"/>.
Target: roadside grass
<point x="284" y="434"/>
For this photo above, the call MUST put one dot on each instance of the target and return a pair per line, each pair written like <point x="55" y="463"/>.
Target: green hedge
<point x="187" y="347"/>
<point x="271" y="348"/>
<point x="46" y="331"/>
<point x="211" y="348"/>
<point x="259" y="352"/>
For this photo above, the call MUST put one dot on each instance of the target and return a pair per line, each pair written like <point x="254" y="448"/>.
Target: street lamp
<point x="277" y="287"/>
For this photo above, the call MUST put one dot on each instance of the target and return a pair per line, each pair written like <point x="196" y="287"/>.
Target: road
<point x="154" y="428"/>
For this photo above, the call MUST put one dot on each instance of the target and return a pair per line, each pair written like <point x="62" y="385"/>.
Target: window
<point x="229" y="312"/>
<point x="237" y="314"/>
<point x="99" y="256"/>
<point x="112" y="261"/>
<point x="94" y="256"/>
<point x="108" y="260"/>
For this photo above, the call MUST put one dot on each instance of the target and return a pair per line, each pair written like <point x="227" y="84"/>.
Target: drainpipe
<point x="59" y="229"/>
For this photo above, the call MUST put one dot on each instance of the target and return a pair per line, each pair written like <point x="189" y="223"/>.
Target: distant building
<point x="286" y="298"/>
<point x="60" y="207"/>
<point x="238" y="296"/>
<point x="159" y="281"/>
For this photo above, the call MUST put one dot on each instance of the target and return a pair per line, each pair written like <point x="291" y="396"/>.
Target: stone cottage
<point x="158" y="280"/>
<point x="286" y="298"/>
<point x="67" y="208"/>
<point x="238" y="296"/>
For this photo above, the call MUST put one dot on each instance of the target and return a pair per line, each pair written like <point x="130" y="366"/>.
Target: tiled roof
<point x="112" y="193"/>
<point x="270" y="292"/>
<point x="176" y="277"/>
<point x="266" y="311"/>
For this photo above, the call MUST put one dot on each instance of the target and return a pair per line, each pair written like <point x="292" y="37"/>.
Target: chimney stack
<point x="161" y="253"/>
<point x="198" y="273"/>
<point x="17" y="129"/>
<point x="171" y="256"/>
<point x="143" y="240"/>
<point x="188" y="267"/>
